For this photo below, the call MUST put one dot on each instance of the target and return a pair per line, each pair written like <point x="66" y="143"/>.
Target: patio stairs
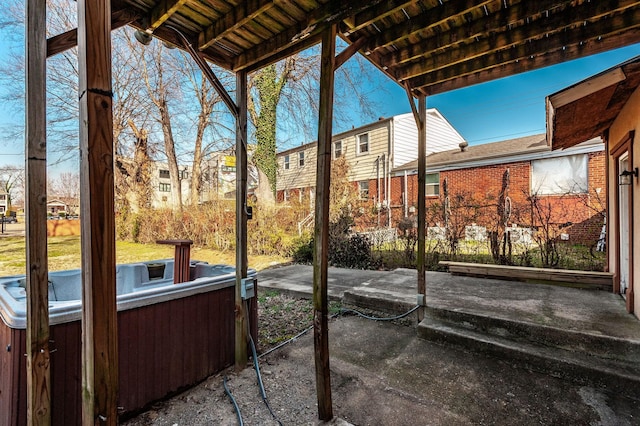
<point x="609" y="363"/>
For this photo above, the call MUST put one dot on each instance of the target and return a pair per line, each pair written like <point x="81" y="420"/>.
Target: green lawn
<point x="64" y="253"/>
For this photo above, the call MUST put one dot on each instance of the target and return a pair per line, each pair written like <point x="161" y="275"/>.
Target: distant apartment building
<point x="218" y="180"/>
<point x="4" y="202"/>
<point x="163" y="194"/>
<point x="373" y="151"/>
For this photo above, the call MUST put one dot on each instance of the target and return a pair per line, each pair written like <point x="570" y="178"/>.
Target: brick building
<point x="519" y="181"/>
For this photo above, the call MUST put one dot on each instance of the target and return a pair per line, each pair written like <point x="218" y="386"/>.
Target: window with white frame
<point x="432" y="185"/>
<point x="286" y="162"/>
<point x="301" y="159"/>
<point x="363" y="189"/>
<point x="562" y="175"/>
<point x="164" y="174"/>
<point x="337" y="149"/>
<point x="363" y="143"/>
<point x="164" y="187"/>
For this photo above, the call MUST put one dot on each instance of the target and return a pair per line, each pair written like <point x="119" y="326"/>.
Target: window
<point x="563" y="175"/>
<point x="164" y="174"/>
<point x="165" y="187"/>
<point x="301" y="159"/>
<point x="363" y="143"/>
<point x="286" y="162"/>
<point x="286" y="195"/>
<point x="337" y="149"/>
<point x="3" y="197"/>
<point x="432" y="184"/>
<point x="363" y="189"/>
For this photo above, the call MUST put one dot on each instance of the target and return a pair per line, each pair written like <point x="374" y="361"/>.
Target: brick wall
<point x="474" y="197"/>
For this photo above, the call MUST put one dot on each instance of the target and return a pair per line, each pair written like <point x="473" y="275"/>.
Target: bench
<point x="564" y="277"/>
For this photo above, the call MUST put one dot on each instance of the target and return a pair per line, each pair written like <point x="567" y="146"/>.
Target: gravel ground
<point x="280" y="318"/>
<point x="383" y="374"/>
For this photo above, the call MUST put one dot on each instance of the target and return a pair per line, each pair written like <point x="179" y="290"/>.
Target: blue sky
<point x="493" y="111"/>
<point x="510" y="107"/>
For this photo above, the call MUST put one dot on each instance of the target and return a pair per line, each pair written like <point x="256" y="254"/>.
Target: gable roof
<point x="519" y="149"/>
<point x="588" y="108"/>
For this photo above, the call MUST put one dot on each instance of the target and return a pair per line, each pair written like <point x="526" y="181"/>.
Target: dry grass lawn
<point x="64" y="253"/>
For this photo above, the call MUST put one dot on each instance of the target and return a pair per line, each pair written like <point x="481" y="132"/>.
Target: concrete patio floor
<point x="384" y="373"/>
<point x="590" y="311"/>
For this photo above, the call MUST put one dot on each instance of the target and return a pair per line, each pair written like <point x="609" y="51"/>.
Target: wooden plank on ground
<point x="522" y="273"/>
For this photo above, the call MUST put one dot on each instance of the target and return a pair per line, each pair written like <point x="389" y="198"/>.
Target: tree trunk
<point x="170" y="152"/>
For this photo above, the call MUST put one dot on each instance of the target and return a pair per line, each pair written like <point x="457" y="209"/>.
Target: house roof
<point x="587" y="109"/>
<point x="496" y="152"/>
<point x="429" y="46"/>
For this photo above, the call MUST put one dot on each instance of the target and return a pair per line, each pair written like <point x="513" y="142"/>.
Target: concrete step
<point x="590" y="343"/>
<point x="526" y="345"/>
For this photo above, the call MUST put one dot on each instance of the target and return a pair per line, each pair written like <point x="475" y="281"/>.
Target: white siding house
<point x="372" y="152"/>
<point x="441" y="136"/>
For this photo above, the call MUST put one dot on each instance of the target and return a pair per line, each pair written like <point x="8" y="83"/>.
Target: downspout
<point x="383" y="197"/>
<point x="388" y="191"/>
<point x="378" y="189"/>
<point x="405" y="197"/>
<point x="392" y="135"/>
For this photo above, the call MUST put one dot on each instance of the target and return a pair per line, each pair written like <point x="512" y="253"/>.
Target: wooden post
<point x="422" y="169"/>
<point x="321" y="227"/>
<point x="99" y="316"/>
<point x="420" y="116"/>
<point x="38" y="372"/>
<point x="241" y="219"/>
<point x="181" y="259"/>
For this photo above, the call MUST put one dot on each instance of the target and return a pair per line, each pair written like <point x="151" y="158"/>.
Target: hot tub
<point x="170" y="336"/>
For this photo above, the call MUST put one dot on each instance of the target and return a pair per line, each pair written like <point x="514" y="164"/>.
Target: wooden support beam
<point x="206" y="71"/>
<point x="349" y="52"/>
<point x="38" y="371"/>
<point x="65" y="41"/>
<point x="298" y="37"/>
<point x="99" y="316"/>
<point x="429" y="19"/>
<point x="503" y="20"/>
<point x="235" y="18"/>
<point x="241" y="335"/>
<point x="565" y="26"/>
<point x="420" y="116"/>
<point x="321" y="227"/>
<point x="377" y="13"/>
<point x="527" y="57"/>
<point x="161" y="12"/>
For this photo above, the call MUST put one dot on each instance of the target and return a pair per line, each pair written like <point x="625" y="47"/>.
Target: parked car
<point x="9" y="219"/>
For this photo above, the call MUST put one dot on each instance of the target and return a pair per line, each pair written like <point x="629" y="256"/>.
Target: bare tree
<point x="12" y="183"/>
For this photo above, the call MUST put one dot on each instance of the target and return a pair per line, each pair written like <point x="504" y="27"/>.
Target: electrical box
<point x="247" y="288"/>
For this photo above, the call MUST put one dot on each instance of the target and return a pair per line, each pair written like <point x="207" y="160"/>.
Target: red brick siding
<point x="480" y="187"/>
